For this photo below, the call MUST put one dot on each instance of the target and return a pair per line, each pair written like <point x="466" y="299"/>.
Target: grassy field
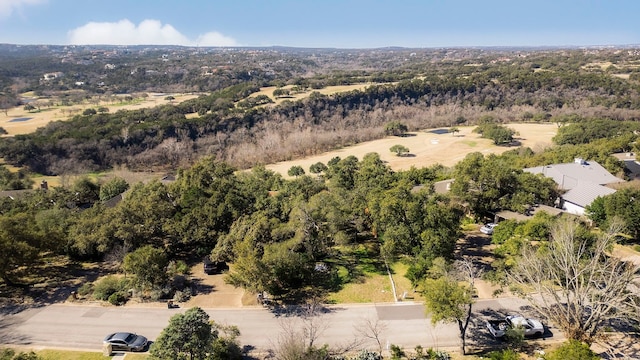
<point x="375" y="287"/>
<point x="70" y="355"/>
<point x="20" y="121"/>
<point x="431" y="146"/>
<point x="329" y="90"/>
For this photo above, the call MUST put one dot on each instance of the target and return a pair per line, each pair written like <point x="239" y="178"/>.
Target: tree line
<point x="244" y="136"/>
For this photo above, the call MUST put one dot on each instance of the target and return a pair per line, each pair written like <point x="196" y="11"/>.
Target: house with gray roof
<point x="583" y="181"/>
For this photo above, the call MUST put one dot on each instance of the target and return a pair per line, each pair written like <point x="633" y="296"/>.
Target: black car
<point x="212" y="267"/>
<point x="126" y="341"/>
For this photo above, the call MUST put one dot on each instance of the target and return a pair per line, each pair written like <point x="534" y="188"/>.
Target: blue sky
<point x="322" y="23"/>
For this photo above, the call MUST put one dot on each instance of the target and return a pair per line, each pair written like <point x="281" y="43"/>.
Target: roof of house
<point x="14" y="194"/>
<point x="584" y="193"/>
<point x="569" y="175"/>
<point x="583" y="180"/>
<point x="442" y="187"/>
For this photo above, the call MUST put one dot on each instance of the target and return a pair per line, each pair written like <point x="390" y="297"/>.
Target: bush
<point x="515" y="336"/>
<point x="182" y="295"/>
<point x="118" y="298"/>
<point x="572" y="349"/>
<point x="430" y="354"/>
<point x="161" y="293"/>
<point x="10" y="354"/>
<point x="506" y="354"/>
<point x="396" y="352"/>
<point x="85" y="289"/>
<point x="106" y="287"/>
<point x="368" y="355"/>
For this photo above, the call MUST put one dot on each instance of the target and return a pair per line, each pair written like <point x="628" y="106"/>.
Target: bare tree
<point x="576" y="283"/>
<point x="373" y="329"/>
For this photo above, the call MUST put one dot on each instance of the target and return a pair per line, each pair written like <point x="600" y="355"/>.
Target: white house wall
<point x="573" y="208"/>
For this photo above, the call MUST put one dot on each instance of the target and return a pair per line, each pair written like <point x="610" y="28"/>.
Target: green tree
<point x="395" y="128"/>
<point x="318" y="168"/>
<point x="87" y="191"/>
<point x="342" y="172"/>
<point x="449" y="300"/>
<point x="493" y="182"/>
<point x="20" y="242"/>
<point x="29" y="108"/>
<point x="89" y="111"/>
<point x="113" y="187"/>
<point x="295" y="170"/>
<point x="192" y="336"/>
<point x="624" y="204"/>
<point x="399" y="150"/>
<point x="148" y="265"/>
<point x="10" y="180"/>
<point x="209" y="198"/>
<point x="498" y="133"/>
<point x="453" y="130"/>
<point x="280" y="92"/>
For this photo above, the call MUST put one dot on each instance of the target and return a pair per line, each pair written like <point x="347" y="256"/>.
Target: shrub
<point x="85" y="289"/>
<point x="368" y="355"/>
<point x="572" y="349"/>
<point x="159" y="293"/>
<point x="109" y="285"/>
<point x="10" y="354"/>
<point x="118" y="298"/>
<point x="430" y="354"/>
<point x="507" y="354"/>
<point x="182" y="295"/>
<point x="396" y="352"/>
<point x="515" y="336"/>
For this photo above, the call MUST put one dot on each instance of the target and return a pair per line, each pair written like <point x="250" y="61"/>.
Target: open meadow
<point x="19" y="121"/>
<point x="431" y="146"/>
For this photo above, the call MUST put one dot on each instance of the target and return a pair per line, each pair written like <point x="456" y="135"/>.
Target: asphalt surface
<point x="403" y="324"/>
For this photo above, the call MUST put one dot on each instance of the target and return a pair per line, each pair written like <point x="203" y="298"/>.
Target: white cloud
<point x="148" y="32"/>
<point x="215" y="39"/>
<point x="7" y="7"/>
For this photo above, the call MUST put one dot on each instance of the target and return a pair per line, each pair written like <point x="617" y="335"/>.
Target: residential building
<point x="583" y="181"/>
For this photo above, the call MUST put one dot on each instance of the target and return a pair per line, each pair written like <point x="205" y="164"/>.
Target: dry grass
<point x="430" y="147"/>
<point x="46" y="115"/>
<point x="329" y="90"/>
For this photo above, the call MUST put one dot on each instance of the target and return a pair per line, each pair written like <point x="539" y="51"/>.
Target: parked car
<point x="488" y="228"/>
<point x="212" y="267"/>
<point x="531" y="327"/>
<point x="126" y="341"/>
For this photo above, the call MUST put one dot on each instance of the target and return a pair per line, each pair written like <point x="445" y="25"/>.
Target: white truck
<point x="531" y="327"/>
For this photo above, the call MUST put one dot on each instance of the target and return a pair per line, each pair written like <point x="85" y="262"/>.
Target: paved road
<point x="83" y="327"/>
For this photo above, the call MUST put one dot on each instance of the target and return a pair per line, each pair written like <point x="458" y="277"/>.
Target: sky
<point x="321" y="23"/>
